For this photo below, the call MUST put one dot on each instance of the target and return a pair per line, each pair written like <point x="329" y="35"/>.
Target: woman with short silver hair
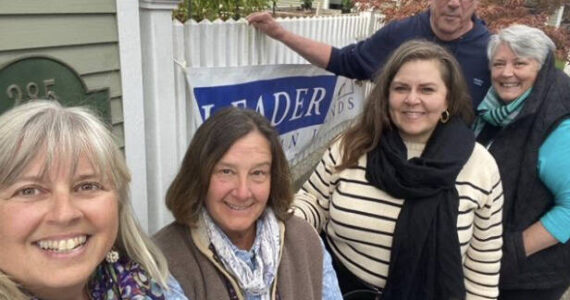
<point x="525" y="122"/>
<point x="524" y="41"/>
<point x="67" y="229"/>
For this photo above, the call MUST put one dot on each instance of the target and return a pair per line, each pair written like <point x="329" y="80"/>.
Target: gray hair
<point x="43" y="126"/>
<point x="525" y="41"/>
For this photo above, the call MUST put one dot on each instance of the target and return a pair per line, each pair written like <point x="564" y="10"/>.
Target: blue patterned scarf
<point x="124" y="279"/>
<point x="266" y="249"/>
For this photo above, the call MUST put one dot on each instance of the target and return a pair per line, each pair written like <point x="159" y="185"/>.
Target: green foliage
<point x="307" y="4"/>
<point x="496" y="13"/>
<point x="346" y="6"/>
<point x="560" y="64"/>
<point x="217" y="9"/>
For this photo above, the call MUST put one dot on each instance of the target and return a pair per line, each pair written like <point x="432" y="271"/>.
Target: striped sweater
<point x="359" y="219"/>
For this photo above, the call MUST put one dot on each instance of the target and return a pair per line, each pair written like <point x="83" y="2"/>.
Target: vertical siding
<point x="81" y="33"/>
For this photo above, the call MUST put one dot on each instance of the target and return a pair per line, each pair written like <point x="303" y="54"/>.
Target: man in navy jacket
<point x="451" y="23"/>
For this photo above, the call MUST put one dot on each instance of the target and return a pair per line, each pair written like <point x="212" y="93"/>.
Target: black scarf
<point x="426" y="260"/>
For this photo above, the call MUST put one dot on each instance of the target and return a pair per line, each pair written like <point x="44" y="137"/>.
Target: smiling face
<point x="511" y="75"/>
<point x="55" y="229"/>
<point x="450" y="19"/>
<point x="417" y="99"/>
<point x="239" y="188"/>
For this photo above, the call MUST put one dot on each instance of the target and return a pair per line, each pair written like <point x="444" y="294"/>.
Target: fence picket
<point x="235" y="43"/>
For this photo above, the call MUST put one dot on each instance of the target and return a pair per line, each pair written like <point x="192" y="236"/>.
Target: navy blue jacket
<point x="362" y="60"/>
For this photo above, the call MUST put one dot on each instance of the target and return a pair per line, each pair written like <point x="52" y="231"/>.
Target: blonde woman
<point x="66" y="226"/>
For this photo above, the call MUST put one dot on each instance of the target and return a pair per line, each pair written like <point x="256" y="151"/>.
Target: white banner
<point x="307" y="105"/>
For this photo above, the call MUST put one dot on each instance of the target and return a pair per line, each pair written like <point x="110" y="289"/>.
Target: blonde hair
<point x="71" y="132"/>
<point x="9" y="290"/>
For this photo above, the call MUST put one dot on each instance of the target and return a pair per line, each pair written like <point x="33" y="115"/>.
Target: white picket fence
<point x="167" y="120"/>
<point x="235" y="43"/>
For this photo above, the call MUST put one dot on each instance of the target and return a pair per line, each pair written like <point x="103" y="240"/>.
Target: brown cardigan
<point x="191" y="262"/>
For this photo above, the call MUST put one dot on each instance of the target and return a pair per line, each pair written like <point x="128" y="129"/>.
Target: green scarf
<point x="492" y="110"/>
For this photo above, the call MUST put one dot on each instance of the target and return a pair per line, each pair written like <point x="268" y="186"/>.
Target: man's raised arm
<point x="315" y="52"/>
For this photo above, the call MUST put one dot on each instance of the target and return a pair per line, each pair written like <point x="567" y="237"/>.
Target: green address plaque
<point x="41" y="77"/>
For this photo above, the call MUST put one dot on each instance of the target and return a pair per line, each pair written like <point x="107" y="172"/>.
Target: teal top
<point x="554" y="171"/>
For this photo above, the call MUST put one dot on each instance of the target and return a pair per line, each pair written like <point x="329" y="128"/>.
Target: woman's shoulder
<point x="480" y="169"/>
<point x="335" y="152"/>
<point x="302" y="245"/>
<point x="335" y="148"/>
<point x="299" y="224"/>
<point x="481" y="155"/>
<point x="172" y="231"/>
<point x="297" y="229"/>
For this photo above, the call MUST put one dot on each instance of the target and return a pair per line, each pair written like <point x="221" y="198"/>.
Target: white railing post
<point x="556" y="18"/>
<point x="133" y="106"/>
<point x="180" y="64"/>
<point x="371" y="20"/>
<point x="162" y="115"/>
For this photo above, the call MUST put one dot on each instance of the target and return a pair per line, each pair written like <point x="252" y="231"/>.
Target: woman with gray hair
<point x="525" y="122"/>
<point x="67" y="229"/>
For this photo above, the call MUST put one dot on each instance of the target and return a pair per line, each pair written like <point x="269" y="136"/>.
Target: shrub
<point x="346" y="6"/>
<point x="307" y="4"/>
<point x="502" y="13"/>
<point x="496" y="13"/>
<point x="217" y="9"/>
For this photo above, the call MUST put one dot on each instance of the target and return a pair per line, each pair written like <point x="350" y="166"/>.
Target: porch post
<point x="160" y="106"/>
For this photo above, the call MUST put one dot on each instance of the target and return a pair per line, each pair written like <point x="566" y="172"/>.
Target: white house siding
<point x="81" y="33"/>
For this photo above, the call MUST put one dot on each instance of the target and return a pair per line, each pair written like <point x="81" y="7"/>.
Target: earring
<point x="112" y="256"/>
<point x="444" y="116"/>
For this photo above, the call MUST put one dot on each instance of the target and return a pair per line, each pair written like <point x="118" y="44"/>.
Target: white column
<point x="160" y="106"/>
<point x="556" y="18"/>
<point x="133" y="109"/>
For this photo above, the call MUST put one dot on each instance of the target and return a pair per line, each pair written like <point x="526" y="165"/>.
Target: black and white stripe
<point x="360" y="219"/>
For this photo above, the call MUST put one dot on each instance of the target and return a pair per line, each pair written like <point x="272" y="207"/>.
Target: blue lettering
<point x="350" y="103"/>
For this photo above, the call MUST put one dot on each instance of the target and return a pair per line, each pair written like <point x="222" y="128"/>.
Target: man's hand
<point x="267" y="24"/>
<point x="315" y="52"/>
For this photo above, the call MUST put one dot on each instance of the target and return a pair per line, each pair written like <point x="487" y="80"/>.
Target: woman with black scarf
<point x="524" y="120"/>
<point x="410" y="204"/>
